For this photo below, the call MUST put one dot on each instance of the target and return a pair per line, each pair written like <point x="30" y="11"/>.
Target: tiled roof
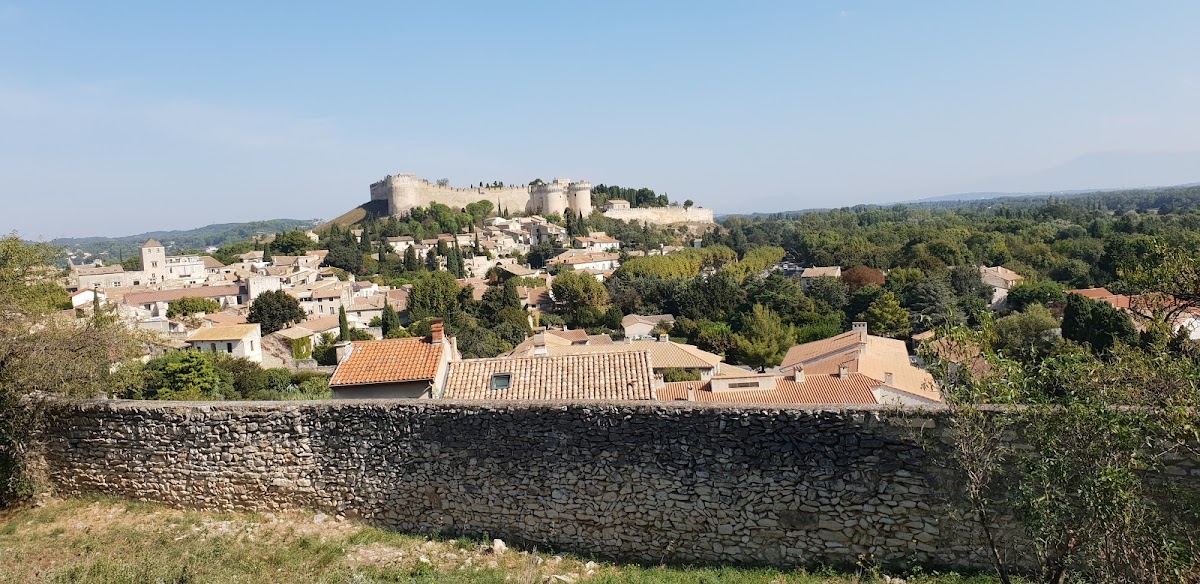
<point x="228" y="332"/>
<point x="320" y="325"/>
<point x="573" y="335"/>
<point x="822" y="271"/>
<point x="389" y="361"/>
<point x="609" y="376"/>
<point x="211" y="263"/>
<point x="815" y="389"/>
<point x="225" y="318"/>
<point x="373" y="302"/>
<point x="1092" y="293"/>
<point x="151" y="243"/>
<point x="100" y="271"/>
<point x="632" y="319"/>
<point x="333" y="292"/>
<point x="663" y="355"/>
<point x="136" y="298"/>
<point x="873" y="356"/>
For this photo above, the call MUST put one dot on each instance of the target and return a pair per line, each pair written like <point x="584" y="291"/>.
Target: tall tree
<point x="764" y="339"/>
<point x="343" y="325"/>
<point x="886" y="318"/>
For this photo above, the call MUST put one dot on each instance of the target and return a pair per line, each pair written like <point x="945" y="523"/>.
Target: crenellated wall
<point x="782" y="486"/>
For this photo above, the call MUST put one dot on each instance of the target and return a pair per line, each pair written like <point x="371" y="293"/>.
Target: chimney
<point x="798" y="374"/>
<point x="843" y="372"/>
<point x="691" y="394"/>
<point x="341" y="349"/>
<point x="889" y="379"/>
<point x="539" y="344"/>
<point x="861" y="329"/>
<point x="663" y="338"/>
<point x="437" y="332"/>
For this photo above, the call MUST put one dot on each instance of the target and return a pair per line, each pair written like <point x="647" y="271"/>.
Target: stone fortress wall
<point x="663" y="482"/>
<point x="405" y="191"/>
<point x="662" y="215"/>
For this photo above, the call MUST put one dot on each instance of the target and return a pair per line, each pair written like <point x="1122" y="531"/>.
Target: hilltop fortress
<point x="405" y="191"/>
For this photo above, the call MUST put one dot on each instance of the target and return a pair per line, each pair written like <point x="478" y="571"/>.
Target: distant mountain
<point x="200" y="238"/>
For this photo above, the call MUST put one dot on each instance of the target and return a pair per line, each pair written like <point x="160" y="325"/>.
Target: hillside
<point x="199" y="238"/>
<point x="358" y="214"/>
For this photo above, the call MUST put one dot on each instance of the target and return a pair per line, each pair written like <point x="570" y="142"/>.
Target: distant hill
<point x="358" y="214"/>
<point x="200" y="238"/>
<point x="985" y="196"/>
<point x="969" y="199"/>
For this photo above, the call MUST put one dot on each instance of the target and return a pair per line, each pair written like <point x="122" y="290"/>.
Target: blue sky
<point x="123" y="117"/>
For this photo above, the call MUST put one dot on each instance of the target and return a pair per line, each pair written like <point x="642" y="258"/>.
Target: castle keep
<point x="405" y="191"/>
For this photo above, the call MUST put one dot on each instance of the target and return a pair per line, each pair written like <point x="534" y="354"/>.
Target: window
<point x="744" y="384"/>
<point x="228" y="347"/>
<point x="500" y="381"/>
<point x="251" y="346"/>
<point x="213" y="347"/>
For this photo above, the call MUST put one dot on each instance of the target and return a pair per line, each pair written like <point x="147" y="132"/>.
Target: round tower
<point x="579" y="197"/>
<point x="551" y="198"/>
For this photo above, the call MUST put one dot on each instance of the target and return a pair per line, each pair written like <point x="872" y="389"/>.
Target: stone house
<point x="1001" y="280"/>
<point x="637" y="326"/>
<point x="886" y="361"/>
<point x="238" y="340"/>
<point x="811" y="273"/>
<point x="156" y="302"/>
<point x="393" y="368"/>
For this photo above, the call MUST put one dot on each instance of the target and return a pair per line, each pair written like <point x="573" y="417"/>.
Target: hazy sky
<point x="123" y="117"/>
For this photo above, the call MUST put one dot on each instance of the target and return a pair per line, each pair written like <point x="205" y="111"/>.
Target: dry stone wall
<point x="651" y="483"/>
<point x="662" y="215"/>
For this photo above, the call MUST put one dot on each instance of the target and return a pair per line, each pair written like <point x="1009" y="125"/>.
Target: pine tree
<point x="431" y="261"/>
<point x="411" y="263"/>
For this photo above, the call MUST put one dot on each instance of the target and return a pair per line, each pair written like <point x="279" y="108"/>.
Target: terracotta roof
<point x="135" y="298"/>
<point x="151" y="243"/>
<point x="873" y="356"/>
<point x="815" y="389"/>
<point x="516" y="270"/>
<point x="663" y="355"/>
<point x="609" y="376"/>
<point x="389" y="361"/>
<point x="573" y="335"/>
<point x="1092" y="293"/>
<point x="228" y="332"/>
<point x="373" y="302"/>
<point x="822" y="271"/>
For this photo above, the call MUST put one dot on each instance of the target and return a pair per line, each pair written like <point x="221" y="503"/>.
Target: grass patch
<point x="114" y="540"/>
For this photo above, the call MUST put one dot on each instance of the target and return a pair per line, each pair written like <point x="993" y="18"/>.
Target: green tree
<point x="1025" y="333"/>
<point x="886" y="318"/>
<point x="192" y="305"/>
<point x="411" y="262"/>
<point x="343" y="325"/>
<point x="291" y="243"/>
<point x="575" y="292"/>
<point x="832" y="291"/>
<point x="191" y="377"/>
<point x="1029" y="292"/>
<point x="275" y="310"/>
<point x="434" y="295"/>
<point x="389" y="320"/>
<point x="764" y="339"/>
<point x="41" y="353"/>
<point x="1096" y="323"/>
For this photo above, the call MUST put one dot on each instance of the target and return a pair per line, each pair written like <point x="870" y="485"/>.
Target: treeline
<point x="1079" y="241"/>
<point x="641" y="197"/>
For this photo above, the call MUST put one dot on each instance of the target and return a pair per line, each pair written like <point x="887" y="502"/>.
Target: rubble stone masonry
<point x="642" y="482"/>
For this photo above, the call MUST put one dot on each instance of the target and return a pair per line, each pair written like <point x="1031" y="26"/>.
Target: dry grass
<point x="110" y="540"/>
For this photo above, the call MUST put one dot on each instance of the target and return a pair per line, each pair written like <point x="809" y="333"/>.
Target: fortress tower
<point x="579" y="197"/>
<point x="550" y="198"/>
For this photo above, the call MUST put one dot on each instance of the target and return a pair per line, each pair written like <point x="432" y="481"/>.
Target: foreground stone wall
<point x="652" y="483"/>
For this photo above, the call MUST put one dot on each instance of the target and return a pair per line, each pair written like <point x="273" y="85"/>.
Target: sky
<point x="124" y="117"/>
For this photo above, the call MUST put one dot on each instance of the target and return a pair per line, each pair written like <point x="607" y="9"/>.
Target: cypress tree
<point x="343" y="325"/>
